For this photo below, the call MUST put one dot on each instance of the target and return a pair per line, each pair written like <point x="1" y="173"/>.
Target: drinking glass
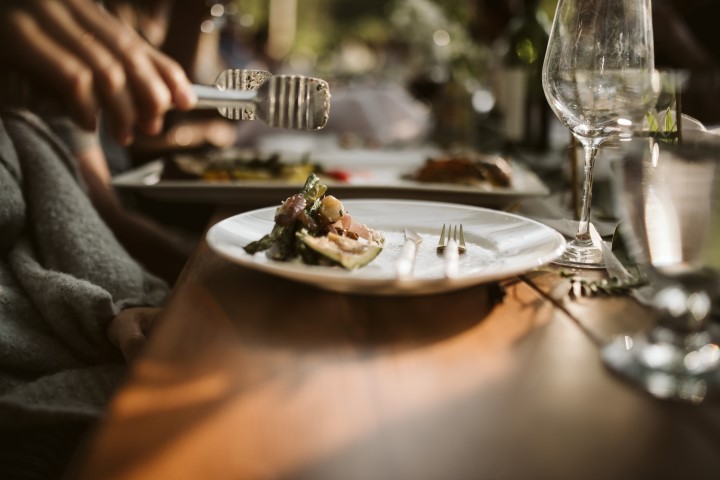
<point x="670" y="203"/>
<point x="599" y="79"/>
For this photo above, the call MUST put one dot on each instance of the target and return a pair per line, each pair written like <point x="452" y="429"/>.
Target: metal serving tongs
<point x="285" y="101"/>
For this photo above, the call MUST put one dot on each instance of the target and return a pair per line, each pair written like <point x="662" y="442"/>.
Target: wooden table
<point x="250" y="376"/>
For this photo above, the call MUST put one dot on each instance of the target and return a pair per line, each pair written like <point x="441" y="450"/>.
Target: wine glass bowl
<point x="595" y="105"/>
<point x="670" y="202"/>
<point x="599" y="78"/>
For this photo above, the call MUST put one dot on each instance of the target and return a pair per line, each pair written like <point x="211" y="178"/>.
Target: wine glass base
<point x="581" y="255"/>
<point x="667" y="365"/>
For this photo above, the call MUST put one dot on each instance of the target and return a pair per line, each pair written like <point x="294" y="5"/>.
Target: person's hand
<point x="93" y="62"/>
<point x="129" y="330"/>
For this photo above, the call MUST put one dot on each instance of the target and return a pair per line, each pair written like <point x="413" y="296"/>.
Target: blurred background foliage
<point x="445" y="53"/>
<point x="381" y="38"/>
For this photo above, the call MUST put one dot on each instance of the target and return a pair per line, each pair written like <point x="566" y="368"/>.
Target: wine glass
<point x="599" y="79"/>
<point x="670" y="202"/>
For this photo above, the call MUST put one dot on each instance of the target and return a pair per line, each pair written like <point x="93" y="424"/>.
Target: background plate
<point x="373" y="174"/>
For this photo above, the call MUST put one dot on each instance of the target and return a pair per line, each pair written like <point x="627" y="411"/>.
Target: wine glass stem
<point x="583" y="233"/>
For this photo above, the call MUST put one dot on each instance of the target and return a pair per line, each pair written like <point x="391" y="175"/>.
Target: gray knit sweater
<point x="63" y="277"/>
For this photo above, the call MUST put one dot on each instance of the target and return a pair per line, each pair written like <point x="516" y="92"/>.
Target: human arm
<point x="92" y="61"/>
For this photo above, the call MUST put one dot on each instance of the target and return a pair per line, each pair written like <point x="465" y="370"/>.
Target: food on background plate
<point x="316" y="229"/>
<point x="458" y="167"/>
<point x="270" y="168"/>
<point x="236" y="165"/>
<point x="465" y="167"/>
<point x="243" y="165"/>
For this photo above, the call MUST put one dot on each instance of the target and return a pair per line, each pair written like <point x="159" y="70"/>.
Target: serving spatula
<point x="284" y="101"/>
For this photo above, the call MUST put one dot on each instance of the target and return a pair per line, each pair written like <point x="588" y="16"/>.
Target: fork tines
<point x="452" y="233"/>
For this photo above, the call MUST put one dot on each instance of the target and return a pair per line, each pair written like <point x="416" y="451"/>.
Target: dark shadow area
<point x="40" y="452"/>
<point x="311" y="318"/>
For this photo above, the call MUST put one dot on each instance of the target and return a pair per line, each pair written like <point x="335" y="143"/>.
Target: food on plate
<point x="465" y="167"/>
<point x="316" y="229"/>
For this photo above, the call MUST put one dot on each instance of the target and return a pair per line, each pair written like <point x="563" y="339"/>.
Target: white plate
<point x="499" y="245"/>
<point x="373" y="174"/>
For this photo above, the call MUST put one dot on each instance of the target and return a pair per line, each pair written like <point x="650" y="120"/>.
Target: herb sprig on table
<point x="580" y="287"/>
<point x="613" y="286"/>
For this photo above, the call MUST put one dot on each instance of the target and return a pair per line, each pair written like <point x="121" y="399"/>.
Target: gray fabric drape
<point x="63" y="277"/>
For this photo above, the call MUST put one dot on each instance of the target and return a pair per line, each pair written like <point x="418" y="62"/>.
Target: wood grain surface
<point x="250" y="376"/>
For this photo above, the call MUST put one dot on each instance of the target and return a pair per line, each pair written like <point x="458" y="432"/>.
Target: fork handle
<point x="407" y="259"/>
<point x="215" y="98"/>
<point x="452" y="258"/>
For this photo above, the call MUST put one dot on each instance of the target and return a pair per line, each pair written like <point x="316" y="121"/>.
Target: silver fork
<point x="285" y="101"/>
<point x="407" y="256"/>
<point x="452" y="234"/>
<point x="451" y="246"/>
